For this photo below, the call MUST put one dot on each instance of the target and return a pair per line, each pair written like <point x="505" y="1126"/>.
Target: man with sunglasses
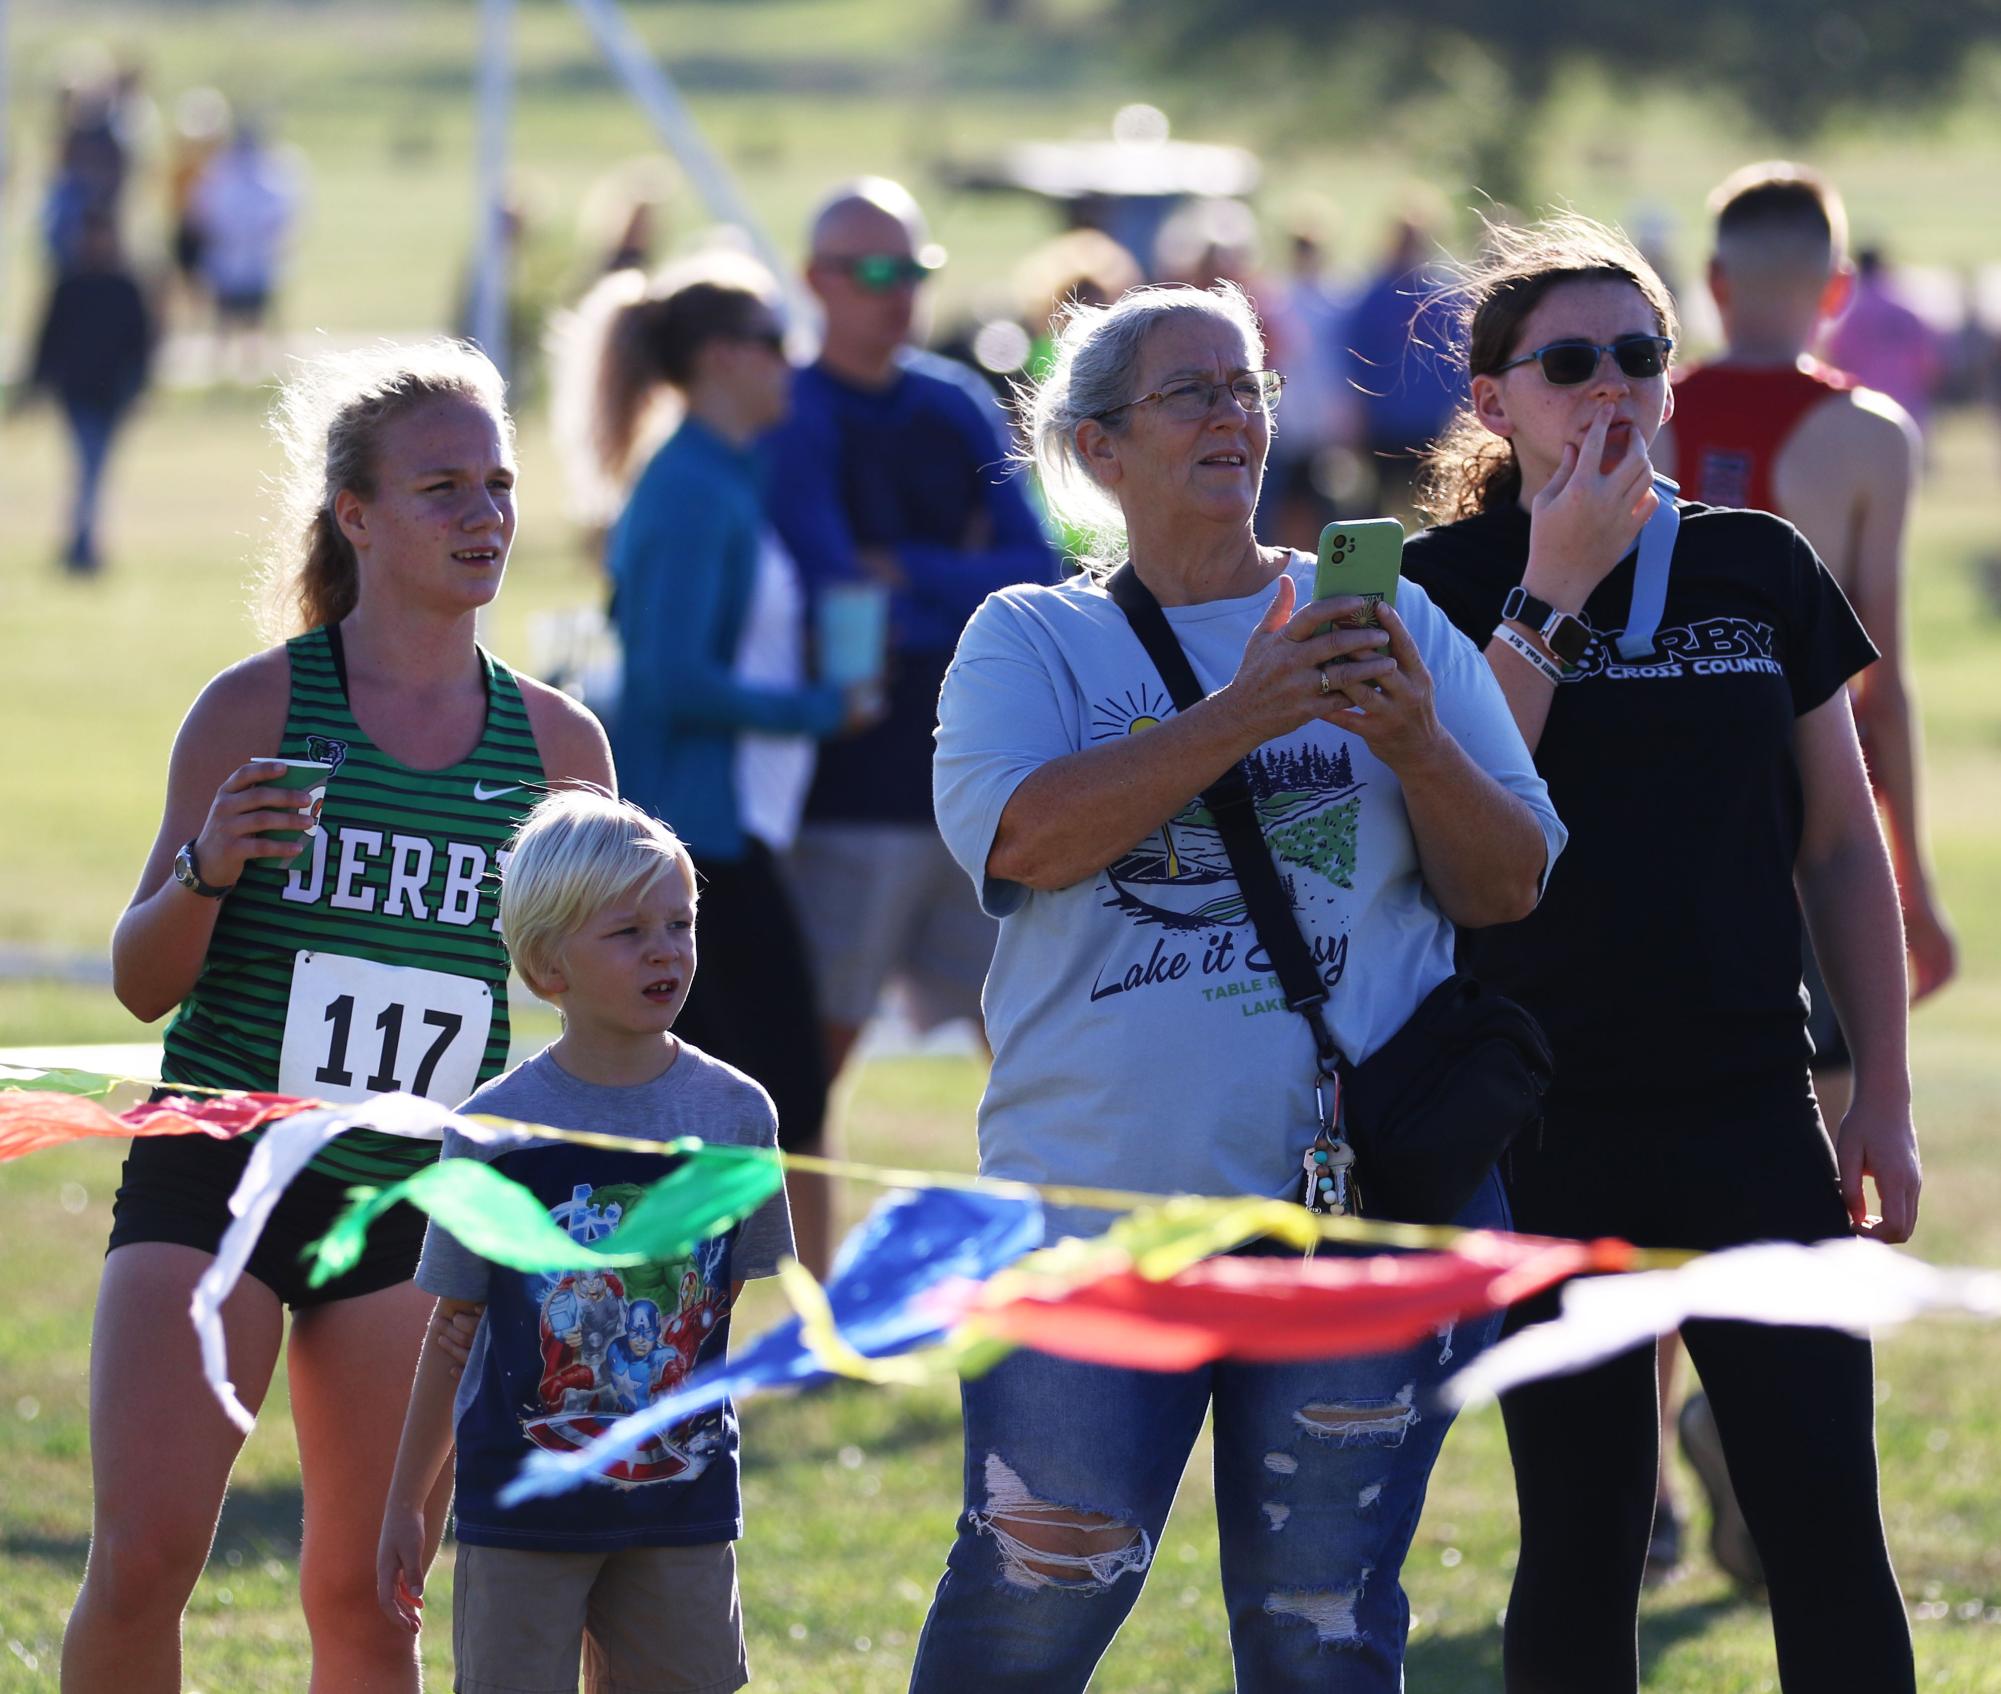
<point x="893" y="469"/>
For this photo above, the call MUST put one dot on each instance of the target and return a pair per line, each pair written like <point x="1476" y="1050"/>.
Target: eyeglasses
<point x="1565" y="364"/>
<point x="1195" y="397"/>
<point x="884" y="273"/>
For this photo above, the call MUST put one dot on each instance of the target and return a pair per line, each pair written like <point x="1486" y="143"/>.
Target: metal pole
<point x="6" y="200"/>
<point x="661" y="101"/>
<point x="492" y="255"/>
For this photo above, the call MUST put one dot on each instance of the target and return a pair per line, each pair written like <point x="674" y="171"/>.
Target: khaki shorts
<point x="888" y="902"/>
<point x="650" y="1620"/>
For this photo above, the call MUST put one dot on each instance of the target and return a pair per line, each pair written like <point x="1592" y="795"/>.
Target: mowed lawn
<point x="850" y="1494"/>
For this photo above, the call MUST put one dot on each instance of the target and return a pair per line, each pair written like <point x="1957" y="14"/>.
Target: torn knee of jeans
<point x="1045" y="1545"/>
<point x="1331" y="1611"/>
<point x="1383" y="1422"/>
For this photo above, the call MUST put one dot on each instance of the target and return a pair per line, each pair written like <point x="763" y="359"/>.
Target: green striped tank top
<point x="373" y="961"/>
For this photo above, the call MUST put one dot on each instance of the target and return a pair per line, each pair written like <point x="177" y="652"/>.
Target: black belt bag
<point x="1411" y="1132"/>
<point x="1432" y="1110"/>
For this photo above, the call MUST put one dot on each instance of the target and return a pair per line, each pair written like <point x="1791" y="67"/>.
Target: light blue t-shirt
<point x="1140" y="1038"/>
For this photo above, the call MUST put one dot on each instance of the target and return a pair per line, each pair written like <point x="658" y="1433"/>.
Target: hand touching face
<point x="1542" y="419"/>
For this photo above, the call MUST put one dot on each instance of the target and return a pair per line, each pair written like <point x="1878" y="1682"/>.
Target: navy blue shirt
<point x="1396" y="355"/>
<point x="557" y="1359"/>
<point x="568" y="1355"/>
<point x="919" y="468"/>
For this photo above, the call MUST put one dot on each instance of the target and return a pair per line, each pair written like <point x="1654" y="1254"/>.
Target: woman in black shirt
<point x="1693" y="726"/>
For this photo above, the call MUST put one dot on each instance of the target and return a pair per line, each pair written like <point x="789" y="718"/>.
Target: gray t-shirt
<point x="696" y="1095"/>
<point x="1140" y="1038"/>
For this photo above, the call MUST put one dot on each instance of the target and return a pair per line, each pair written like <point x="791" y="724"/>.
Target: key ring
<point x="1328" y="1161"/>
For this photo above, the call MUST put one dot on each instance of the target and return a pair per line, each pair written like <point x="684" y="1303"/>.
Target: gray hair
<point x="1094" y="370"/>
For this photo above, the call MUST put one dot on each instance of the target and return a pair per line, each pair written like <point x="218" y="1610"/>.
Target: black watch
<point x="188" y="874"/>
<point x="1567" y="637"/>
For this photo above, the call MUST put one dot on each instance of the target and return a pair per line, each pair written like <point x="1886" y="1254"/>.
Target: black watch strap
<point x="1523" y="607"/>
<point x="187" y="872"/>
<point x="1567" y="635"/>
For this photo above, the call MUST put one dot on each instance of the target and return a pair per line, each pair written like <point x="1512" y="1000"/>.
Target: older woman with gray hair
<point x="1140" y="1037"/>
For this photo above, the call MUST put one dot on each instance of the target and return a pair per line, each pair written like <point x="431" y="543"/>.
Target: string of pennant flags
<point x="949" y="1272"/>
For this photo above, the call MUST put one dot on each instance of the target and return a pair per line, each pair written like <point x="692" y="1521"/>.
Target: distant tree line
<point x="1791" y="66"/>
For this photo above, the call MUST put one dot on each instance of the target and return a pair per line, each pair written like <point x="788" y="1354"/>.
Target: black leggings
<point x="1795" y="1407"/>
<point x="752" y="1003"/>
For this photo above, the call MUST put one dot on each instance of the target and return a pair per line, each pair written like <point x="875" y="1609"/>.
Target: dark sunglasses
<point x="1568" y="363"/>
<point x="884" y="273"/>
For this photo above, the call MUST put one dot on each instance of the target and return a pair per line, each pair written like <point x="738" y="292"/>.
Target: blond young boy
<point x="636" y="1574"/>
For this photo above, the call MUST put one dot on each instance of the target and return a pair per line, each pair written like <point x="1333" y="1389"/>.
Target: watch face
<point x="184" y="870"/>
<point x="1568" y="638"/>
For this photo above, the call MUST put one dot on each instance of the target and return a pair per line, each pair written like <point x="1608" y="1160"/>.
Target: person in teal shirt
<point x="717" y="717"/>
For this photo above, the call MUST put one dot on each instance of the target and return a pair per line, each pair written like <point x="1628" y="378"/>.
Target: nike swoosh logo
<point x="480" y="791"/>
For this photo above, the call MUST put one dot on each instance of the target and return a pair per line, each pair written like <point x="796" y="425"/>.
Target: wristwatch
<point x="188" y="874"/>
<point x="1566" y="636"/>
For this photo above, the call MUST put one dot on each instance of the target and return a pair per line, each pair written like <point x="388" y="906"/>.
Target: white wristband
<point x="1522" y="645"/>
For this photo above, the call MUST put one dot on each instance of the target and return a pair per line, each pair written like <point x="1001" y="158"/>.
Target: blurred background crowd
<point x="168" y="221"/>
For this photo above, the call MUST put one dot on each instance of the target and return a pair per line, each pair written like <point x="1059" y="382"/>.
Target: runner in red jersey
<point x="1767" y="427"/>
<point x="1732" y="420"/>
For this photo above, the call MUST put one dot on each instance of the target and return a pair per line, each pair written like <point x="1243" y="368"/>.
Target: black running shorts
<point x="177" y="1187"/>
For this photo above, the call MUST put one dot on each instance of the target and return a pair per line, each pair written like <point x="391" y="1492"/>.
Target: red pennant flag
<point x="1275" y="1309"/>
<point x="33" y="1119"/>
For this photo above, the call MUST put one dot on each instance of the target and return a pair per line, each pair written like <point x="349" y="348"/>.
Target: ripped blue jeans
<point x="1320" y="1473"/>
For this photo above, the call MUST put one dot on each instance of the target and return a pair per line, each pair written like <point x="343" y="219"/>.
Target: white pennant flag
<point x="1854" y="1285"/>
<point x="284" y="1149"/>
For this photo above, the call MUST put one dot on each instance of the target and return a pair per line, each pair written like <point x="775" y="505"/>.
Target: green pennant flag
<point x="90" y="1085"/>
<point x="503" y="1222"/>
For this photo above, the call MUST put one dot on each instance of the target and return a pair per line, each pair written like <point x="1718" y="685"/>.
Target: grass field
<point x="851" y="1494"/>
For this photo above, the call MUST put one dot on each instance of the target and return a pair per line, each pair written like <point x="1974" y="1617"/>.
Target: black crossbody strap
<point x="1230" y="802"/>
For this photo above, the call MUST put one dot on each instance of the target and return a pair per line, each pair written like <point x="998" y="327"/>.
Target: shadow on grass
<point x="49" y="1549"/>
<point x="261" y="1523"/>
<point x="1472" y="1661"/>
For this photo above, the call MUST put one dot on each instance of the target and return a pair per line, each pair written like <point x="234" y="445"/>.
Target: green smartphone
<point x="1361" y="557"/>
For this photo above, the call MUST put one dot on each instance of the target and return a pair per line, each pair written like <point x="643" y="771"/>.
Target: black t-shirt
<point x="1666" y="952"/>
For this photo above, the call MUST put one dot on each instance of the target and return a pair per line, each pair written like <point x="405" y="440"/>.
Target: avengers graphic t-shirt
<point x="1666" y="952"/>
<point x="557" y="1359"/>
<point x="1140" y="1036"/>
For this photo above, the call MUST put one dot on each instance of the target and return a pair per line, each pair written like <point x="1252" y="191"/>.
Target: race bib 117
<point x="355" y="1028"/>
